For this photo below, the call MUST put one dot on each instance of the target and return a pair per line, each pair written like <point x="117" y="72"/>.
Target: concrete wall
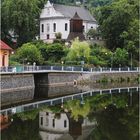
<point x="18" y="96"/>
<point x="55" y="78"/>
<point x="94" y="77"/>
<point x="54" y="91"/>
<point x="13" y="82"/>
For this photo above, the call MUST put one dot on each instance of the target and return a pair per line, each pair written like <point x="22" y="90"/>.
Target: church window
<point x="48" y="27"/>
<point x="41" y="120"/>
<point x="53" y="122"/>
<point x="47" y="121"/>
<point x="42" y="28"/>
<point x="66" y="26"/>
<point x="54" y="27"/>
<point x="65" y="123"/>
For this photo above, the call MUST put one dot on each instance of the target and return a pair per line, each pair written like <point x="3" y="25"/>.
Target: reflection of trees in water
<point x="117" y="123"/>
<point x="22" y="130"/>
<point x="116" y="118"/>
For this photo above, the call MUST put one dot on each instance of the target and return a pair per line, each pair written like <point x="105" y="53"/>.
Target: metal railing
<point x="22" y="69"/>
<point x="60" y="100"/>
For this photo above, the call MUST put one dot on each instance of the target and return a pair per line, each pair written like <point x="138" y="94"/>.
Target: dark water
<point x="99" y="117"/>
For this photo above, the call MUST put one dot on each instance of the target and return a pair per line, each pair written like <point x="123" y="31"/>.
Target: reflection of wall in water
<point x="50" y="91"/>
<point x="54" y="127"/>
<point x="100" y="86"/>
<point x="17" y="96"/>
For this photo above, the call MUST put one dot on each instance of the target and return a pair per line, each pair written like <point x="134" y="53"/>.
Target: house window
<point x="48" y="27"/>
<point x="42" y="28"/>
<point x="66" y="26"/>
<point x="54" y="27"/>
<point x="3" y="60"/>
<point x="65" y="123"/>
<point x="83" y="28"/>
<point x="48" y="36"/>
<point x="47" y="121"/>
<point x="53" y="122"/>
<point x="41" y="120"/>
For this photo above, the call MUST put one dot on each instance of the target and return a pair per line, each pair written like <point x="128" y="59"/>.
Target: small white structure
<point x="55" y="18"/>
<point x="49" y="122"/>
<point x="54" y="127"/>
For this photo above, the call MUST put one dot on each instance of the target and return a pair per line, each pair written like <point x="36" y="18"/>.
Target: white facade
<point x="49" y="28"/>
<point x="52" y="21"/>
<point x="48" y="121"/>
<point x="52" y="128"/>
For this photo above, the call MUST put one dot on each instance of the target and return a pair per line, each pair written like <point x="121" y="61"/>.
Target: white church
<point x="56" y="18"/>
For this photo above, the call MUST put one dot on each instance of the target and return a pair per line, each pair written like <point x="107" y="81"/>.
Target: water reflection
<point x="54" y="126"/>
<point x="100" y="117"/>
<point x="45" y="92"/>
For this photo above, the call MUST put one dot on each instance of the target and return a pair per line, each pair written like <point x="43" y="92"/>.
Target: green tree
<point x="79" y="51"/>
<point x="93" y="33"/>
<point x="29" y="53"/>
<point x="117" y="18"/>
<point x="120" y="57"/>
<point x="52" y="52"/>
<point x="22" y="18"/>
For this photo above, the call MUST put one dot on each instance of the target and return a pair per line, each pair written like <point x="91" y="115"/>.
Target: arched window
<point x="48" y="27"/>
<point x="54" y="27"/>
<point x="42" y="28"/>
<point x="65" y="123"/>
<point x="53" y="122"/>
<point x="66" y="26"/>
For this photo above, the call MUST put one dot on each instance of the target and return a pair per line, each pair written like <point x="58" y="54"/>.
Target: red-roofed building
<point x="5" y="51"/>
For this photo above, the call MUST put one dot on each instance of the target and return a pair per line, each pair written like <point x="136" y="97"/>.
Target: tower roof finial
<point x="48" y="4"/>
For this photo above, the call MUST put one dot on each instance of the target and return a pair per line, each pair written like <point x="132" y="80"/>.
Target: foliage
<point x="29" y="53"/>
<point x="58" y="35"/>
<point x="116" y="19"/>
<point x="79" y="51"/>
<point x="52" y="52"/>
<point x="120" y="57"/>
<point x="13" y="60"/>
<point x="92" y="33"/>
<point x="100" y="56"/>
<point x="22" y="18"/>
<point x="21" y="130"/>
<point x="29" y="115"/>
<point x="77" y="110"/>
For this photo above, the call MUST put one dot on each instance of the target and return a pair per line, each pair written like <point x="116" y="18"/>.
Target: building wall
<point x="60" y="27"/>
<point x="49" y="16"/>
<point x="89" y="25"/>
<point x="5" y="54"/>
<point x="48" y="121"/>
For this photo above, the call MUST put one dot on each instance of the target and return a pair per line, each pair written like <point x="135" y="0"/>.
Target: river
<point x="91" y="112"/>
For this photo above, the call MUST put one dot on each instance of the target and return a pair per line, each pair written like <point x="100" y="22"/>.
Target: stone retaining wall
<point x="56" y="78"/>
<point x="98" y="76"/>
<point x="12" y="82"/>
<point x="17" y="96"/>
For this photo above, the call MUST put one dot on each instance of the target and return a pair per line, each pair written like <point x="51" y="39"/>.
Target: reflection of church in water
<point x="63" y="127"/>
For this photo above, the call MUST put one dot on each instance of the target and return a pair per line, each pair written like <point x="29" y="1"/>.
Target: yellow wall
<point x="6" y="54"/>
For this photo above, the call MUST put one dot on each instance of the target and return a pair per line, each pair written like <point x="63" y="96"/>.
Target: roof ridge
<point x="70" y="5"/>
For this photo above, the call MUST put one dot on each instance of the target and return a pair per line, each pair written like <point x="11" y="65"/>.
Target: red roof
<point x="4" y="46"/>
